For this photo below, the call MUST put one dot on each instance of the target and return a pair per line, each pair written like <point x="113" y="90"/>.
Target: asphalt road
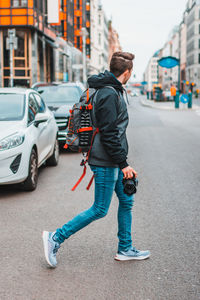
<point x="165" y="150"/>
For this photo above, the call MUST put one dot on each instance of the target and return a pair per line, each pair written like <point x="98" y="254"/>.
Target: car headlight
<point x="11" y="141"/>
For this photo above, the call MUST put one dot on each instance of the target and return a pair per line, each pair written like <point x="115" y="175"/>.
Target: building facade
<point x="113" y="41"/>
<point x="183" y="54"/>
<point x="43" y="53"/>
<point x="151" y="75"/>
<point x="193" y="41"/>
<point x="102" y="39"/>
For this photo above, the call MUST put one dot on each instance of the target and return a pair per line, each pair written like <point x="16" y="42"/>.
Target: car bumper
<point x="14" y="165"/>
<point x="62" y="134"/>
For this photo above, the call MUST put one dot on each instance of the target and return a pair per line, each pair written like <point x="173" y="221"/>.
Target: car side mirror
<point x="40" y="118"/>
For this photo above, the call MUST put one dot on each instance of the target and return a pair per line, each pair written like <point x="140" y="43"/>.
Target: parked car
<point x="60" y="98"/>
<point x="134" y="93"/>
<point x="28" y="137"/>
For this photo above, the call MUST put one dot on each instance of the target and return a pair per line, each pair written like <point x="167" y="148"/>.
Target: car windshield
<point x="60" y="94"/>
<point x="11" y="107"/>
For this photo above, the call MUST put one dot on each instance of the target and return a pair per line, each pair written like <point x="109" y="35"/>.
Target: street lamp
<point x="84" y="34"/>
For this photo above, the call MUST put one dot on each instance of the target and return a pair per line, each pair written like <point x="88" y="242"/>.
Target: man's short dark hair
<point x="120" y="62"/>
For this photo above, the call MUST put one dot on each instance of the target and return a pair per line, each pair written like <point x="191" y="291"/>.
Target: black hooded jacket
<point x="110" y="146"/>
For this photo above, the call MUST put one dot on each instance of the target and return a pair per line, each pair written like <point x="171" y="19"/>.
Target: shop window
<point x="19" y="63"/>
<point x="19" y="52"/>
<point x="20" y="73"/>
<point x="20" y="60"/>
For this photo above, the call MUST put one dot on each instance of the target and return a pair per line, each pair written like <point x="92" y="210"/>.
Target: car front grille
<point x="62" y="123"/>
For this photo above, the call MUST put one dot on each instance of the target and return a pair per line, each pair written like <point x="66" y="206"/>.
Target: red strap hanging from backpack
<point x="85" y="168"/>
<point x="80" y="179"/>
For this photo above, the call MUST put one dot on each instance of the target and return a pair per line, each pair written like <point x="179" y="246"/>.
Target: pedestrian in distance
<point x="108" y="162"/>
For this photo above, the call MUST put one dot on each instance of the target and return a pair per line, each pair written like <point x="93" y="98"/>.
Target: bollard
<point x="176" y="99"/>
<point x="190" y="100"/>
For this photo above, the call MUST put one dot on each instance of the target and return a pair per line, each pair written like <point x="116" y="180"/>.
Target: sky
<point x="143" y="26"/>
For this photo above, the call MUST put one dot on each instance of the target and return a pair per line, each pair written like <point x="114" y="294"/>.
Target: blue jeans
<point x="107" y="180"/>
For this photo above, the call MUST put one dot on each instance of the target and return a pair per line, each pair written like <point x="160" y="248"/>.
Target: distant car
<point x="167" y="95"/>
<point x="134" y="93"/>
<point x="28" y="137"/>
<point x="60" y="98"/>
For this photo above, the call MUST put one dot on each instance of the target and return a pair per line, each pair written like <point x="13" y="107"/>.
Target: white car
<point x="28" y="137"/>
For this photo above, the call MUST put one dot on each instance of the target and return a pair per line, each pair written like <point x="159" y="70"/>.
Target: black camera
<point x="130" y="185"/>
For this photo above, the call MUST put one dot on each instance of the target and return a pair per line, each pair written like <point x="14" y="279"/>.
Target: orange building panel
<point x="30" y="20"/>
<point x="78" y="13"/>
<point x="5" y="21"/>
<point x="19" y="20"/>
<point x="5" y="12"/>
<point x="19" y="11"/>
<point x="5" y="3"/>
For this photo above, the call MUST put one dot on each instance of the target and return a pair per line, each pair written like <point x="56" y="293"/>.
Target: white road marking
<point x="198" y="112"/>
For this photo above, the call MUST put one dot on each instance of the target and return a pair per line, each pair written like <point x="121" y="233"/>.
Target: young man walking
<point x="108" y="161"/>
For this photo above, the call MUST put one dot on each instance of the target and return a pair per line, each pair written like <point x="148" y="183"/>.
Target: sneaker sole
<point x="45" y="237"/>
<point x="124" y="258"/>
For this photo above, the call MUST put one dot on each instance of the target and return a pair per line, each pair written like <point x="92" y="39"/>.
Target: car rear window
<point x="60" y="94"/>
<point x="12" y="107"/>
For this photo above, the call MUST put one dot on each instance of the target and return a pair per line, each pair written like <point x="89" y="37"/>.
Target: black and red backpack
<point x="81" y="131"/>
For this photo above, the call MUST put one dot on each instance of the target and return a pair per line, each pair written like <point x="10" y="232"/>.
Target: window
<point x="33" y="108"/>
<point x="19" y="3"/>
<point x="78" y="4"/>
<point x="78" y="22"/>
<point x="99" y="38"/>
<point x="62" y="4"/>
<point x="99" y="19"/>
<point x="78" y="42"/>
<point x="40" y="102"/>
<point x="199" y="58"/>
<point x="62" y="28"/>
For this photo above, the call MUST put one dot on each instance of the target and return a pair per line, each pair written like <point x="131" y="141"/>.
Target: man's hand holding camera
<point x="129" y="173"/>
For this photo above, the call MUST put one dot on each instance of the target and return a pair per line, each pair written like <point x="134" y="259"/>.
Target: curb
<point x="145" y="103"/>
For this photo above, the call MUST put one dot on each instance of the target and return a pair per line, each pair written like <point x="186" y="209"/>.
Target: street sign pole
<point x="11" y="65"/>
<point x="11" y="44"/>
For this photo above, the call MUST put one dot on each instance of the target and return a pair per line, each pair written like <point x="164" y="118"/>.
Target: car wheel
<point x="30" y="183"/>
<point x="54" y="158"/>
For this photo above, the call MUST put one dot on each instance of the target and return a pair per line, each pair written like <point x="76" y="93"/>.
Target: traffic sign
<point x="14" y="42"/>
<point x="184" y="98"/>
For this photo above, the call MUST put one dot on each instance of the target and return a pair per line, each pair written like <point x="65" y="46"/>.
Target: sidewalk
<point x="169" y="105"/>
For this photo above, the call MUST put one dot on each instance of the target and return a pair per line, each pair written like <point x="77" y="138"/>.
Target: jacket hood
<point x="103" y="79"/>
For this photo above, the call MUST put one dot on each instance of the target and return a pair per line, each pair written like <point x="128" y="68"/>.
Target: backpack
<point x="81" y="132"/>
<point x="80" y="127"/>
